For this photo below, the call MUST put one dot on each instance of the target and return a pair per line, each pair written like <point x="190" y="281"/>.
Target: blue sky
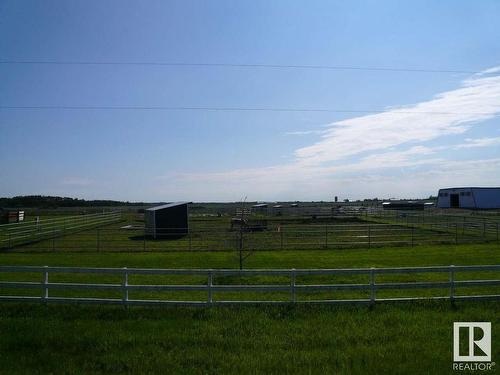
<point x="405" y="151"/>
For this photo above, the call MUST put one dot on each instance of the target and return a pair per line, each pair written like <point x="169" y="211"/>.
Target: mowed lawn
<point x="424" y="255"/>
<point x="388" y="338"/>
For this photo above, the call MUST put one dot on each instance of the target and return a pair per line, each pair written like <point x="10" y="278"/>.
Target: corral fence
<point x="431" y="216"/>
<point x="16" y="234"/>
<point x="292" y="285"/>
<point x="271" y="237"/>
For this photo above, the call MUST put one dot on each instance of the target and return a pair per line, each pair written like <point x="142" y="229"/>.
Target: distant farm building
<point x="11" y="216"/>
<point x="167" y="221"/>
<point x="469" y="197"/>
<point x="403" y="205"/>
<point x="260" y="208"/>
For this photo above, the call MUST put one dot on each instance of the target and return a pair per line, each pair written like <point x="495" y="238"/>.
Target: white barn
<point x="469" y="197"/>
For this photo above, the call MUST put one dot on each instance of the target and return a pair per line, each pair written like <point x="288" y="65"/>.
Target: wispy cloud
<point x="451" y="112"/>
<point x="305" y="132"/>
<point x="479" y="142"/>
<point x="392" y="139"/>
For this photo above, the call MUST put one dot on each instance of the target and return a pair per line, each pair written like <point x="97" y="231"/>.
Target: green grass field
<point x="389" y="338"/>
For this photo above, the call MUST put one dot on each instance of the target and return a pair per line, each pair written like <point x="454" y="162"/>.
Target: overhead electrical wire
<point x="233" y="65"/>
<point x="229" y="109"/>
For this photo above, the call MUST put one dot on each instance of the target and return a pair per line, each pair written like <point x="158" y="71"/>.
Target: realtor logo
<point x="472" y="342"/>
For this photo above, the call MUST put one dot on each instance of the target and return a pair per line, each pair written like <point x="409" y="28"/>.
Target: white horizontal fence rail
<point x="15" y="234"/>
<point x="209" y="286"/>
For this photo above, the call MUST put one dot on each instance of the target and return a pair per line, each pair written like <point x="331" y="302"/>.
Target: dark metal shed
<point x="167" y="221"/>
<point x="260" y="208"/>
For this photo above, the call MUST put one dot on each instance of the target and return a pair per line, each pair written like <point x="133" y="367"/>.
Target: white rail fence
<point x="208" y="286"/>
<point x="29" y="231"/>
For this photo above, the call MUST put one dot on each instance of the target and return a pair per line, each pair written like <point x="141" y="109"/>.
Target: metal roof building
<point x="260" y="208"/>
<point x="469" y="197"/>
<point x="167" y="221"/>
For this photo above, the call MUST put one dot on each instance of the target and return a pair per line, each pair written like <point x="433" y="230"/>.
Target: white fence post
<point x="293" y="294"/>
<point x="452" y="283"/>
<point x="125" y="286"/>
<point x="45" y="284"/>
<point x="210" y="282"/>
<point x="372" y="286"/>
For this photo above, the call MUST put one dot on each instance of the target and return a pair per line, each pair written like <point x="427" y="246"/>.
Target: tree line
<point x="46" y="201"/>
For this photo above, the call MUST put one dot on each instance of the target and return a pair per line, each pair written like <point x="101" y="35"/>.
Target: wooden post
<point x="326" y="236"/>
<point x="369" y="237"/>
<point x="240" y="247"/>
<point x="54" y="239"/>
<point x="98" y="239"/>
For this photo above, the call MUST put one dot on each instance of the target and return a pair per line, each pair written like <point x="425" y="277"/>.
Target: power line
<point x="230" y="65"/>
<point x="228" y="109"/>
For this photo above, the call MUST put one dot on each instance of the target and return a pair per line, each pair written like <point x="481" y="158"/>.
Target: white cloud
<point x="451" y="112"/>
<point x="479" y="142"/>
<point x="493" y="70"/>
<point x="389" y="140"/>
<point x="305" y="132"/>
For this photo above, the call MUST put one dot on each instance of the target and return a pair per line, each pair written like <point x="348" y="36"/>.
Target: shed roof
<point x="472" y="187"/>
<point x="260" y="205"/>
<point x="168" y="205"/>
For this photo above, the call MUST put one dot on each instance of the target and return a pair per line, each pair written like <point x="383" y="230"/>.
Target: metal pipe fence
<point x="226" y="286"/>
<point x="276" y="237"/>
